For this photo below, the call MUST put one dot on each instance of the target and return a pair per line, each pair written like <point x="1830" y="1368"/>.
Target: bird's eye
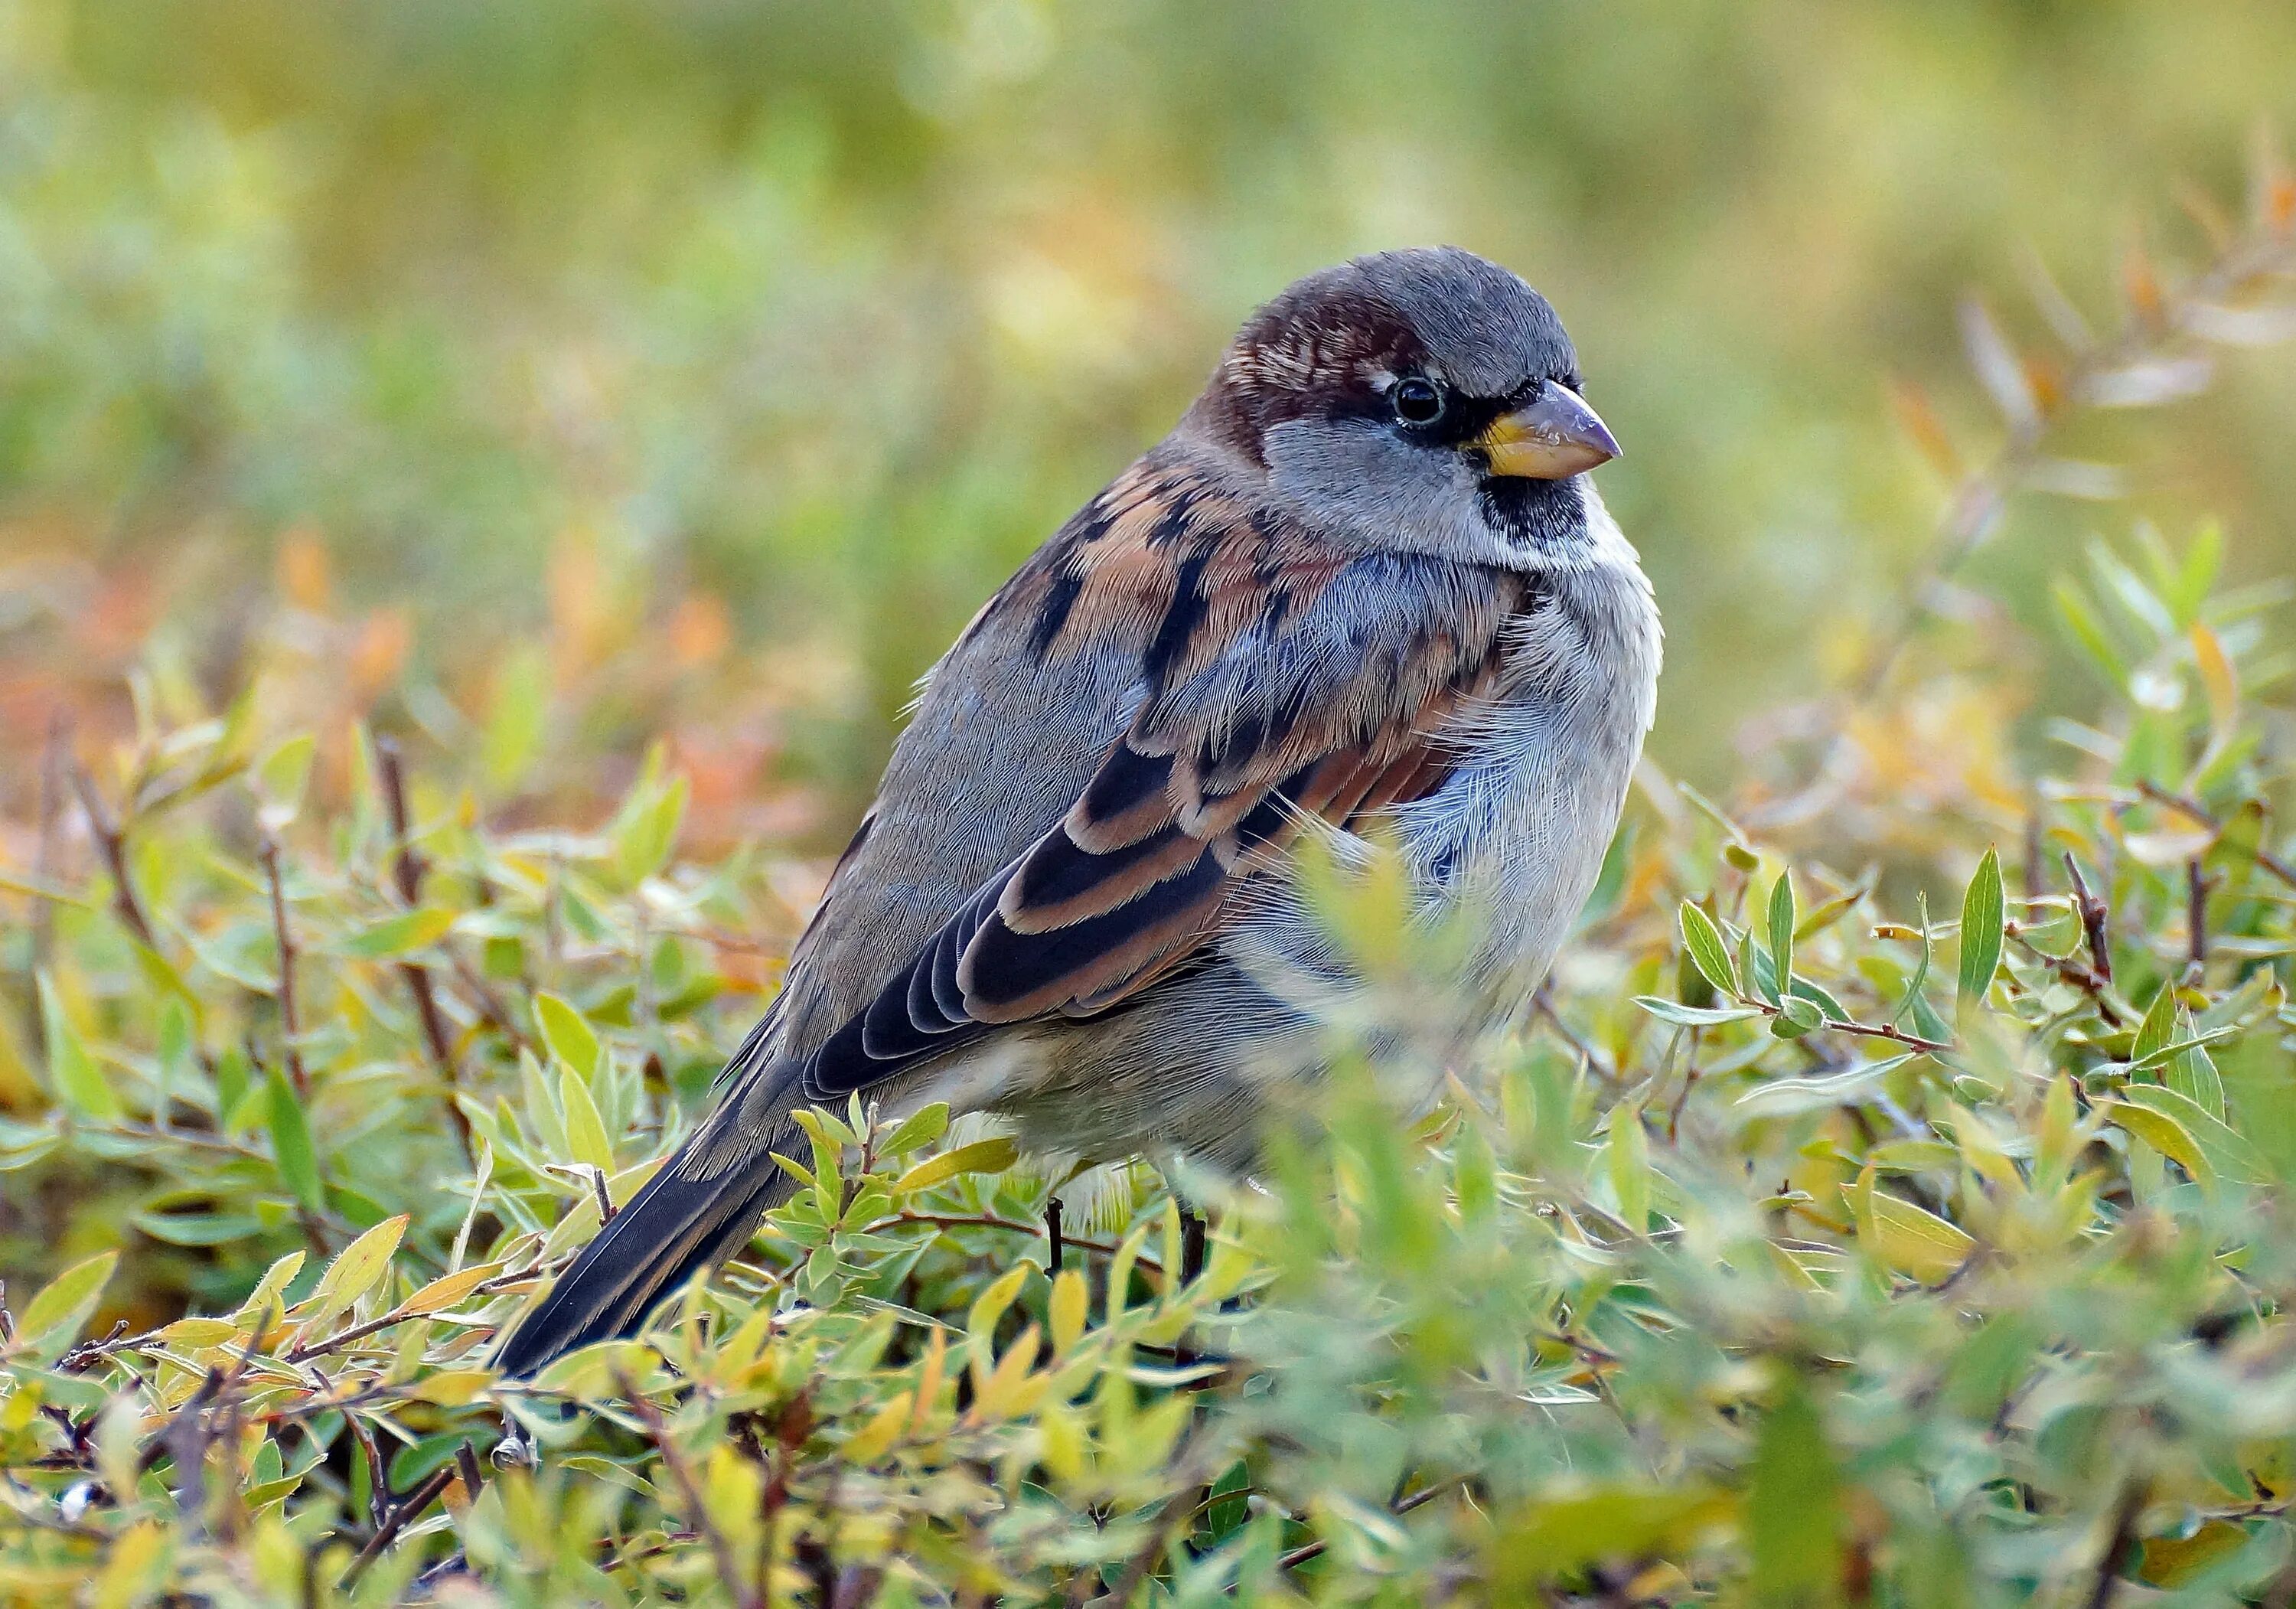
<point x="1416" y="401"/>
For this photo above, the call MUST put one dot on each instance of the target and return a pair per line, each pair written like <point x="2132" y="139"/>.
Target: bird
<point x="1364" y="594"/>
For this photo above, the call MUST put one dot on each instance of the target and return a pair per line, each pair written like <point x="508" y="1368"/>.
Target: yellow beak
<point x="1555" y="435"/>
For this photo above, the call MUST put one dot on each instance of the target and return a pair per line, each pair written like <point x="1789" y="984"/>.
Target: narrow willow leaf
<point x="1782" y="929"/>
<point x="643" y="839"/>
<point x="568" y="1035"/>
<point x="52" y="1320"/>
<point x="2165" y="1135"/>
<point x="447" y="1289"/>
<point x="586" y="1141"/>
<point x="1065" y="1312"/>
<point x="1702" y="941"/>
<point x="917" y="1130"/>
<point x="1630" y="1167"/>
<point x="2192" y="1073"/>
<point x="362" y="1265"/>
<point x="78" y="1080"/>
<point x="2087" y="630"/>
<point x="1915" y="1243"/>
<point x="2229" y="1152"/>
<point x="290" y="1142"/>
<point x="2159" y="1026"/>
<point x="398" y="935"/>
<point x="1694" y="1017"/>
<point x="981" y="1156"/>
<point x="1982" y="910"/>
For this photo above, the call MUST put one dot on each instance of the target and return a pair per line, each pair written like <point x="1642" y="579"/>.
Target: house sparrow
<point x="1365" y="583"/>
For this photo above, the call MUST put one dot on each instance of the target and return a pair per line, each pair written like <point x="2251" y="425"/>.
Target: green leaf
<point x="2230" y="1153"/>
<point x="515" y="724"/>
<point x="2154" y="1033"/>
<point x="2086" y="629"/>
<point x="1702" y="941"/>
<point x="1782" y="928"/>
<point x="2191" y="1073"/>
<point x="644" y="838"/>
<point x="1694" y="1017"/>
<point x="1983" y="911"/>
<point x="2165" y="1135"/>
<point x="981" y="1156"/>
<point x="361" y="1266"/>
<point x="396" y="935"/>
<point x="585" y="1131"/>
<point x="290" y="1142"/>
<point x="568" y="1034"/>
<point x="53" y="1319"/>
<point x="1796" y="1017"/>
<point x="1793" y="1512"/>
<point x="78" y="1082"/>
<point x="920" y="1129"/>
<point x="1629" y="1160"/>
<point x="280" y="778"/>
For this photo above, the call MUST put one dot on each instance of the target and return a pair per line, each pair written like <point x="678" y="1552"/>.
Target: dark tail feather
<point x="672" y="1229"/>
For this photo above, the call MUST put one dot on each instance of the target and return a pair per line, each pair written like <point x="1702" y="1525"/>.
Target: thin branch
<point x="1301" y="1555"/>
<point x="423" y="1495"/>
<point x="2094" y="913"/>
<point x="682" y="1472"/>
<point x="2202" y="816"/>
<point x="2107" y="1581"/>
<point x="407" y="872"/>
<point x="111" y="839"/>
<point x="2197" y="884"/>
<point x="289" y="1023"/>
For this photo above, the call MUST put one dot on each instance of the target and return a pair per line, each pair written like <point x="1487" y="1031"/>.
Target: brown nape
<point x="1311" y="353"/>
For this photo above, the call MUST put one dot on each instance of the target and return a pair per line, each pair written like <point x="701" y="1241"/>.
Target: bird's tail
<point x="695" y="1213"/>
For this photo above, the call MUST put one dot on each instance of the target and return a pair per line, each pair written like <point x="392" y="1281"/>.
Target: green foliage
<point x="1753" y="1271"/>
<point x="1769" y="1285"/>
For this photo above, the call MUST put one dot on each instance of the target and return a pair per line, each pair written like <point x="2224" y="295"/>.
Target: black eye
<point x="1416" y="401"/>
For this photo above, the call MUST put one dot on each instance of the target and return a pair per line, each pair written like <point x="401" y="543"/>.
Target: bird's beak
<point x="1555" y="435"/>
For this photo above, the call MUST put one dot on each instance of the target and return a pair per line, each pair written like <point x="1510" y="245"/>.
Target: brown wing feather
<point x="1259" y="713"/>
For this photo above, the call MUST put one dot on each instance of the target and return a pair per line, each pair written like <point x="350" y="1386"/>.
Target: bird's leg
<point x="1052" y="1233"/>
<point x="1192" y="1246"/>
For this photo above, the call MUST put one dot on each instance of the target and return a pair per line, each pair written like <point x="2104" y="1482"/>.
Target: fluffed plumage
<point x="1366" y="577"/>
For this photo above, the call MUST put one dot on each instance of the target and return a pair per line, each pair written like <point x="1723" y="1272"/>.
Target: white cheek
<point x="1358" y="480"/>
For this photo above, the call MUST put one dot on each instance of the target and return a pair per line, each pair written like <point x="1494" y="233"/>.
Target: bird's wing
<point x="1269" y="676"/>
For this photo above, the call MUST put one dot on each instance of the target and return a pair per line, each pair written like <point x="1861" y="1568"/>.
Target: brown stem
<point x="2201" y="814"/>
<point x="406" y="871"/>
<point x="111" y="839"/>
<point x="1301" y="1555"/>
<point x="423" y="1495"/>
<point x="2124" y="1529"/>
<point x="2197" y="884"/>
<point x="2072" y="972"/>
<point x="289" y="1023"/>
<point x="720" y="1549"/>
<point x="2093" y="914"/>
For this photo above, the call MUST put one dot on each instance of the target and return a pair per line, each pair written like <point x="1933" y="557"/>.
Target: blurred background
<point x="544" y="381"/>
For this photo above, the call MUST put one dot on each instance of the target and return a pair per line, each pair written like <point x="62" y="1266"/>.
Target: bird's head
<point x="1423" y="400"/>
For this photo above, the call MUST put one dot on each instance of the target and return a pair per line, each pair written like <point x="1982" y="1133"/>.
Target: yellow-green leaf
<point x="1915" y="1243"/>
<point x="52" y="1320"/>
<point x="397" y="935"/>
<point x="1708" y="953"/>
<point x="360" y="1268"/>
<point x="71" y="1070"/>
<point x="586" y="1130"/>
<point x="981" y="1156"/>
<point x="568" y="1034"/>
